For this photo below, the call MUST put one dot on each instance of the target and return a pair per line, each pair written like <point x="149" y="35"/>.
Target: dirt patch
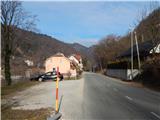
<point x="40" y="114"/>
<point x="27" y="101"/>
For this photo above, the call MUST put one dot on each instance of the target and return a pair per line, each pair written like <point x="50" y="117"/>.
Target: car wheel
<point x="40" y="79"/>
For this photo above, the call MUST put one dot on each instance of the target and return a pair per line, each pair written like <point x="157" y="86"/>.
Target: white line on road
<point x="155" y="115"/>
<point x="129" y="98"/>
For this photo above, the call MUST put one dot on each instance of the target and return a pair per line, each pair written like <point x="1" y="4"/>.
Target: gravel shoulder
<point x="37" y="99"/>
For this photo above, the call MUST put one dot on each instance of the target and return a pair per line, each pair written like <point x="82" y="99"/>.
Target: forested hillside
<point x="37" y="47"/>
<point x="110" y="47"/>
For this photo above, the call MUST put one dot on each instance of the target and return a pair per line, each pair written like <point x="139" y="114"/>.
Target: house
<point x="145" y="50"/>
<point x="122" y="67"/>
<point x="65" y="65"/>
<point x="77" y="60"/>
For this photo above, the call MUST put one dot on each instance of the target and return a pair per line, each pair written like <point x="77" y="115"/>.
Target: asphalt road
<point x="100" y="97"/>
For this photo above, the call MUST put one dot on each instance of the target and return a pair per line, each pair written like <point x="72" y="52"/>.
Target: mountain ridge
<point x="37" y="47"/>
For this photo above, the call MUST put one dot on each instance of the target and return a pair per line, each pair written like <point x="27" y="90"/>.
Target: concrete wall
<point x="122" y="73"/>
<point x="54" y="62"/>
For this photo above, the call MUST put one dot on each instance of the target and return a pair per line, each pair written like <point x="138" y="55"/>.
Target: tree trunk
<point x="7" y="66"/>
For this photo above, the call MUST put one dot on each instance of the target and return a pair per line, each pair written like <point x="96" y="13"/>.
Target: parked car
<point x="47" y="76"/>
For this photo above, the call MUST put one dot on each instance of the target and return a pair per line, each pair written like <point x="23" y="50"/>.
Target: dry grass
<point x="73" y="78"/>
<point x="41" y="114"/>
<point x="10" y="90"/>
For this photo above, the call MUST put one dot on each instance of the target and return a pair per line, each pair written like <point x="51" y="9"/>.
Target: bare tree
<point x="145" y="26"/>
<point x="107" y="50"/>
<point x="13" y="17"/>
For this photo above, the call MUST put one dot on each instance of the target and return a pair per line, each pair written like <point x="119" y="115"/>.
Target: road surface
<point x="101" y="97"/>
<point x="94" y="97"/>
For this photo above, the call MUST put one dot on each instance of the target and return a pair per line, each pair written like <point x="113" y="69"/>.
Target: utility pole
<point x="131" y="55"/>
<point x="139" y="63"/>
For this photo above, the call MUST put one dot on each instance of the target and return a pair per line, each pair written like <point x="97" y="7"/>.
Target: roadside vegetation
<point x="13" y="17"/>
<point x="41" y="114"/>
<point x="150" y="75"/>
<point x="10" y="90"/>
<point x="77" y="77"/>
<point x="73" y="78"/>
<point x="147" y="28"/>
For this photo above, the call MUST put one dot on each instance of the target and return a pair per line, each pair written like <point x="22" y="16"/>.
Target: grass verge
<point x="40" y="114"/>
<point x="8" y="90"/>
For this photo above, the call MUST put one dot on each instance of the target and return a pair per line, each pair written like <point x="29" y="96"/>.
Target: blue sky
<point x="84" y="22"/>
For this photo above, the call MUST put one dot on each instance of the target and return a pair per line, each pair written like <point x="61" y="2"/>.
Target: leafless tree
<point x="106" y="50"/>
<point x="147" y="30"/>
<point x="13" y="17"/>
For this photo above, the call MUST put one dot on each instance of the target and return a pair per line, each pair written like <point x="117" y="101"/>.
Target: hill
<point x="79" y="47"/>
<point x="37" y="47"/>
<point x="112" y="46"/>
<point x="86" y="52"/>
<point x="83" y="50"/>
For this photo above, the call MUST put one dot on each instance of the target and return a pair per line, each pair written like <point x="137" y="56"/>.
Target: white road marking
<point x="155" y="115"/>
<point x="129" y="98"/>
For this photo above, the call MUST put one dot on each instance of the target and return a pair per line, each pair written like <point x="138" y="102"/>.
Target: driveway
<point x="43" y="95"/>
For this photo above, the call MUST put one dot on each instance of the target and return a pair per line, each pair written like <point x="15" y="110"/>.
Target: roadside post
<point x="57" y="82"/>
<point x="57" y="115"/>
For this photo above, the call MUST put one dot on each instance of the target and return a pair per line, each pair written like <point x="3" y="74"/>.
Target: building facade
<point x="77" y="59"/>
<point x="64" y="64"/>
